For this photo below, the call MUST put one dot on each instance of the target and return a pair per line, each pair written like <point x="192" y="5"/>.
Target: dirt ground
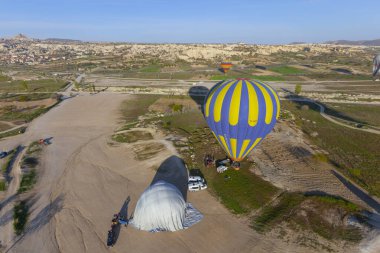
<point x="86" y="179"/>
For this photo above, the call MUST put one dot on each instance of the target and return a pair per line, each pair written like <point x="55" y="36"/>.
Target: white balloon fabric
<point x="160" y="208"/>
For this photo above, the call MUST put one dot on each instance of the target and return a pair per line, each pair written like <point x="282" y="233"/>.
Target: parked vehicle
<point x="196" y="183"/>
<point x="221" y="169"/>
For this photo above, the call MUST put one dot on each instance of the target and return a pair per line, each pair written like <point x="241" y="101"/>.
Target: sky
<point x="196" y="21"/>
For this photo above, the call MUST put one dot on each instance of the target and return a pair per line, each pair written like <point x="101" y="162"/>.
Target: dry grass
<point x="147" y="150"/>
<point x="132" y="136"/>
<point x="165" y="104"/>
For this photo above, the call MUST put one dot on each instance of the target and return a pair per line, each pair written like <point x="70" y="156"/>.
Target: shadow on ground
<point x="198" y="94"/>
<point x="41" y="219"/>
<point x="322" y="194"/>
<point x="358" y="192"/>
<point x="123" y="215"/>
<point x="45" y="215"/>
<point x="9" y="166"/>
<point x="7" y="201"/>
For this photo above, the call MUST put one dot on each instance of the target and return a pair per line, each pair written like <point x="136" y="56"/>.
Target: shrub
<point x="20" y="217"/>
<point x="27" y="181"/>
<point x="176" y="107"/>
<point x="298" y="89"/>
<point x="3" y="185"/>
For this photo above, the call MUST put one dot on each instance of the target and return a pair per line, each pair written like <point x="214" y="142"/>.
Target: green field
<point x="354" y="152"/>
<point x="287" y="70"/>
<point x="4" y="78"/>
<point x="367" y="114"/>
<point x="132" y="108"/>
<point x="44" y="85"/>
<point x="151" y="68"/>
<point x="260" y="78"/>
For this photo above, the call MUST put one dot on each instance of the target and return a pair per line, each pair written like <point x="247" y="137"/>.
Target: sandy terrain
<point x="85" y="180"/>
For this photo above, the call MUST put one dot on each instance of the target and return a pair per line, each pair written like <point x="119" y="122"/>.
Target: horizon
<point x="165" y="22"/>
<point x="184" y="43"/>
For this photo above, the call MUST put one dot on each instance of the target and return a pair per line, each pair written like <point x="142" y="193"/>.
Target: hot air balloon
<point x="240" y="113"/>
<point x="225" y="66"/>
<point x="376" y="66"/>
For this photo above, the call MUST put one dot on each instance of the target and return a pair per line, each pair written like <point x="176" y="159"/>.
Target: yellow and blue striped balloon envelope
<point x="240" y="113"/>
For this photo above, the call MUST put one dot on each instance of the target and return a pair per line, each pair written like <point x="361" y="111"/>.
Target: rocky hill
<point x="375" y="42"/>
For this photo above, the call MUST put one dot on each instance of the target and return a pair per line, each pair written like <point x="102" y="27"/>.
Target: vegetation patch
<point x="3" y="185"/>
<point x="169" y="104"/>
<point x="366" y="114"/>
<point x="34" y="147"/>
<point x="151" y="68"/>
<point x="4" y="78"/>
<point x="273" y="214"/>
<point x="347" y="148"/>
<point x="28" y="180"/>
<point x="20" y="216"/>
<point x="132" y="136"/>
<point x="128" y="126"/>
<point x="176" y="107"/>
<point x="253" y="77"/>
<point x="287" y="70"/>
<point x="321" y="157"/>
<point x="298" y="89"/>
<point x="187" y="122"/>
<point x="147" y="151"/>
<point x="28" y="167"/>
<point x="16" y="131"/>
<point x="44" y="85"/>
<point x="9" y="161"/>
<point x="324" y="215"/>
<point x="132" y="108"/>
<point x="12" y="113"/>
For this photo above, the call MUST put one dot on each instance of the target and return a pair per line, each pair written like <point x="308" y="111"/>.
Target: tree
<point x="298" y="89"/>
<point x="24" y="85"/>
<point x="76" y="85"/>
